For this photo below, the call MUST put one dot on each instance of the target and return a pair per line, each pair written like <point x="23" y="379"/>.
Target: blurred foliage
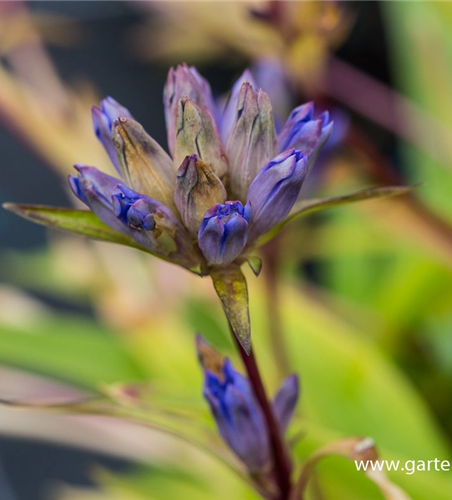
<point x="349" y="386"/>
<point x="365" y="303"/>
<point x="69" y="348"/>
<point x="421" y="66"/>
<point x="298" y="34"/>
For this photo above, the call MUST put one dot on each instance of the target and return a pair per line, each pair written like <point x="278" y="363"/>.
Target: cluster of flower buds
<point x="229" y="177"/>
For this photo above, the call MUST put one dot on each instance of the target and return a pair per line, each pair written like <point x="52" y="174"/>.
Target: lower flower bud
<point x="237" y="414"/>
<point x="223" y="232"/>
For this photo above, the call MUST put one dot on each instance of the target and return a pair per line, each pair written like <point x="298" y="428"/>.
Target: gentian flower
<point x="274" y="189"/>
<point x="234" y="158"/>
<point x="228" y="180"/>
<point x="238" y="416"/>
<point x="305" y="132"/>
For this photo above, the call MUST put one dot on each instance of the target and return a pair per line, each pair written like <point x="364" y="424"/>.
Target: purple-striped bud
<point x="197" y="134"/>
<point x="143" y="163"/>
<point x="285" y="401"/>
<point x="304" y="132"/>
<point x="149" y="222"/>
<point x="197" y="189"/>
<point x="184" y="81"/>
<point x="237" y="414"/>
<point x="223" y="232"/>
<point x="230" y="109"/>
<point x="272" y="76"/>
<point x="133" y="210"/>
<point x="275" y="190"/>
<point x="153" y="225"/>
<point x="103" y="119"/>
<point x="252" y="141"/>
<point x="95" y="189"/>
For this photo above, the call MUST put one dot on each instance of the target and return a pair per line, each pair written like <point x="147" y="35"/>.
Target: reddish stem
<point x="282" y="465"/>
<point x="275" y="12"/>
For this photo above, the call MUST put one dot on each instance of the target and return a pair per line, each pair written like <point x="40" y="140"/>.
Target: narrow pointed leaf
<point x="82" y="222"/>
<point x="230" y="285"/>
<point x="255" y="264"/>
<point x="306" y="207"/>
<point x="317" y="204"/>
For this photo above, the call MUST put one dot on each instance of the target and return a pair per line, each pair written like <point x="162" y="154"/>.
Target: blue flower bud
<point x="237" y="413"/>
<point x="103" y="119"/>
<point x="285" y="401"/>
<point x="230" y="109"/>
<point x="272" y="76"/>
<point x="134" y="210"/>
<point x="197" y="189"/>
<point x="95" y="189"/>
<point x="197" y="134"/>
<point x="238" y="416"/>
<point x="252" y="140"/>
<point x="275" y="190"/>
<point x="143" y="163"/>
<point x="149" y="222"/>
<point x="304" y="132"/>
<point x="223" y="232"/>
<point x="153" y="224"/>
<point x="185" y="81"/>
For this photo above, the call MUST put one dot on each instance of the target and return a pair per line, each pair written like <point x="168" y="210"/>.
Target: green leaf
<point x="306" y="207"/>
<point x="82" y="222"/>
<point x="230" y="285"/>
<point x="339" y="362"/>
<point x="69" y="348"/>
<point x="428" y="151"/>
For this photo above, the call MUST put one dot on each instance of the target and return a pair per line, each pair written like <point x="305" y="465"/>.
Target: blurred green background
<point x="357" y="300"/>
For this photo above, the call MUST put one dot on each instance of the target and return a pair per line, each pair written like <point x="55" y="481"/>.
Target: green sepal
<point x="230" y="285"/>
<point x="306" y="207"/>
<point x="255" y="264"/>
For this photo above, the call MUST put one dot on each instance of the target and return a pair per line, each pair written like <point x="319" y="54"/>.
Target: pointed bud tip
<point x="123" y="121"/>
<point x="11" y="207"/>
<point x="81" y="168"/>
<point x="186" y="104"/>
<point x="110" y="100"/>
<point x="187" y="161"/>
<point x="247" y="76"/>
<point x="209" y="358"/>
<point x="246" y="344"/>
<point x="294" y="380"/>
<point x="126" y="129"/>
<point x="199" y="340"/>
